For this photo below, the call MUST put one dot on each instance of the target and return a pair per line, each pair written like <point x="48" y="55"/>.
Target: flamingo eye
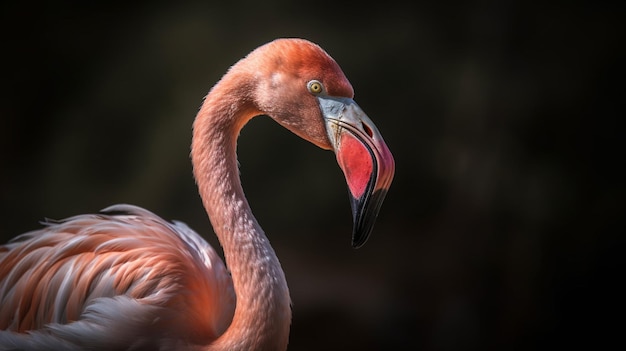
<point x="315" y="87"/>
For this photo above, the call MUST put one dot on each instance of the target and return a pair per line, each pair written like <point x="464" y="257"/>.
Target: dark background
<point x="502" y="229"/>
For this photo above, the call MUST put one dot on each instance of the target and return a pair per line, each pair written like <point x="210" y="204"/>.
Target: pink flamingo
<point x="127" y="279"/>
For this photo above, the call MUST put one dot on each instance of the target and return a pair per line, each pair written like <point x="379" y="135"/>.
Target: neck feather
<point x="263" y="314"/>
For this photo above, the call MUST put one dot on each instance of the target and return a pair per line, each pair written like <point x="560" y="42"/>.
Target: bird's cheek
<point x="318" y="136"/>
<point x="309" y="125"/>
<point x="314" y="124"/>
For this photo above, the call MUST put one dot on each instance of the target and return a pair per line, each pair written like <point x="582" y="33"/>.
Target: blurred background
<point x="501" y="229"/>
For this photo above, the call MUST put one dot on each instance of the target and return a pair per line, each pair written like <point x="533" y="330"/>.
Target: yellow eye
<point x="315" y="87"/>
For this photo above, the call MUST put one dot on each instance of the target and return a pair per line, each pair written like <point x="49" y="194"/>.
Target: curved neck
<point x="262" y="314"/>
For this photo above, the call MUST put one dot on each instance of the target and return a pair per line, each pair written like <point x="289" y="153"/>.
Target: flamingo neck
<point x="262" y="314"/>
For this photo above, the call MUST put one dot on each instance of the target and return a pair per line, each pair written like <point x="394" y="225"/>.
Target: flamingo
<point x="125" y="279"/>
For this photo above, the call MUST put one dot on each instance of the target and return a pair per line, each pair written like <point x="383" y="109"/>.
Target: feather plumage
<point x="137" y="264"/>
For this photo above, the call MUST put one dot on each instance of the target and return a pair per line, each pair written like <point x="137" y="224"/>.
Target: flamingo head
<point x="305" y="90"/>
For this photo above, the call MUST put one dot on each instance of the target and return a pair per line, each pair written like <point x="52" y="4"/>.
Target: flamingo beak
<point x="364" y="159"/>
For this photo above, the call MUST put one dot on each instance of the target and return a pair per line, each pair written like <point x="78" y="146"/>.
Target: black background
<point x="502" y="229"/>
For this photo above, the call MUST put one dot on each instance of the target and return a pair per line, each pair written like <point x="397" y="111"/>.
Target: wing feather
<point x="79" y="278"/>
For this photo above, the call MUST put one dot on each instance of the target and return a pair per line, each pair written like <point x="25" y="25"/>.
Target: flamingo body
<point x="125" y="279"/>
<point x="139" y="268"/>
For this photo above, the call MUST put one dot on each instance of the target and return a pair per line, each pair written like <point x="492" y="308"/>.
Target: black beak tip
<point x="359" y="238"/>
<point x="364" y="212"/>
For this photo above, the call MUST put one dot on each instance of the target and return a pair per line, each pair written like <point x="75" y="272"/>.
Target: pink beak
<point x="364" y="158"/>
